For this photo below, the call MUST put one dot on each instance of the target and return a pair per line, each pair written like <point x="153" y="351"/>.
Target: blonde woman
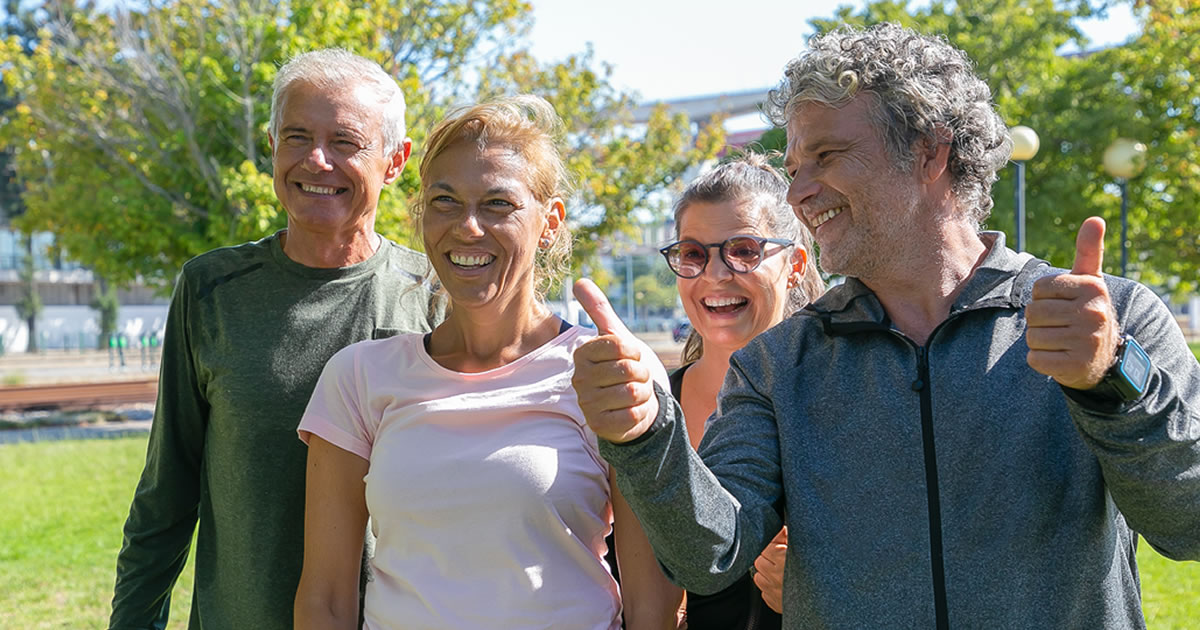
<point x="466" y="446"/>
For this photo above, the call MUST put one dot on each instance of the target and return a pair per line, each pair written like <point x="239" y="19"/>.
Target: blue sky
<point x="671" y="48"/>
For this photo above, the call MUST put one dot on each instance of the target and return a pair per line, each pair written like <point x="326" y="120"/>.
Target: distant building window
<point x="12" y="250"/>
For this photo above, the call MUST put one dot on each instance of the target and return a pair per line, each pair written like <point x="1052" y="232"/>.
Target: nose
<point x="468" y="225"/>
<point x="802" y="189"/>
<point x="316" y="161"/>
<point x="716" y="269"/>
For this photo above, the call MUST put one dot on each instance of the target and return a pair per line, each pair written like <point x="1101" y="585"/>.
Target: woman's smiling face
<point x="729" y="309"/>
<point x="482" y="223"/>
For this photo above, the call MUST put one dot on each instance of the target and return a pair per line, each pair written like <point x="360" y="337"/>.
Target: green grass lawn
<point x="1195" y="346"/>
<point x="64" y="504"/>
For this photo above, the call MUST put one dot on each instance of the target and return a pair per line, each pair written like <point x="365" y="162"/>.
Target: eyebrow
<point x="497" y="190"/>
<point x="340" y="133"/>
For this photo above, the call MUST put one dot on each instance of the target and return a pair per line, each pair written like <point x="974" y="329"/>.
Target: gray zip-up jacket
<point x="944" y="486"/>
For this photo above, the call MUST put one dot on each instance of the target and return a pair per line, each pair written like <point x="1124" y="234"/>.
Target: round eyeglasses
<point x="742" y="254"/>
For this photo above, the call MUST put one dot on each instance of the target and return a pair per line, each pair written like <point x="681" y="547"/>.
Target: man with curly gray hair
<point x="957" y="436"/>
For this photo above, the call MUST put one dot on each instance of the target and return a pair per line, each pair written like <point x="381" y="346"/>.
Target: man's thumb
<point x="1089" y="248"/>
<point x="593" y="300"/>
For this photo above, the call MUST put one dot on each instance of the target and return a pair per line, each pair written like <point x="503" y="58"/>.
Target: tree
<point x="19" y="25"/>
<point x="653" y="295"/>
<point x="29" y="306"/>
<point x="141" y="133"/>
<point x="107" y="305"/>
<point x="1145" y="89"/>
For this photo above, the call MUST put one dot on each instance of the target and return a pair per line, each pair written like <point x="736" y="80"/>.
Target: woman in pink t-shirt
<point x="466" y="446"/>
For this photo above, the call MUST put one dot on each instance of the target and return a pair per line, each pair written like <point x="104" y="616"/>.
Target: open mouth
<point x="827" y="215"/>
<point x="474" y="261"/>
<point x="724" y="304"/>
<point x="327" y="191"/>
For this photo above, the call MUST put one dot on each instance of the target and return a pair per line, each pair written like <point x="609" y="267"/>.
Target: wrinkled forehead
<point x="712" y="221"/>
<point x="812" y="125"/>
<point x="304" y="98"/>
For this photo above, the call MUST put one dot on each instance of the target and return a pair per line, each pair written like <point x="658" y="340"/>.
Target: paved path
<point x="57" y="366"/>
<point x="78" y="432"/>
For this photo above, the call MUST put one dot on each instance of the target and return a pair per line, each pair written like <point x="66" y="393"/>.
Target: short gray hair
<point x="336" y="69"/>
<point x="923" y="88"/>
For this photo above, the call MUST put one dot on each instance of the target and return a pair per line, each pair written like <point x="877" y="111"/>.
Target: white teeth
<point x="723" y="301"/>
<point x="318" y="190"/>
<point x="825" y="216"/>
<point x="471" y="261"/>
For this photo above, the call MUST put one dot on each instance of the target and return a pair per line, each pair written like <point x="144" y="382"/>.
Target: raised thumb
<point x="593" y="300"/>
<point x="1089" y="248"/>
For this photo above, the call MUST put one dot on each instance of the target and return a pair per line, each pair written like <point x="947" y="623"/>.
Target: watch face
<point x="1136" y="365"/>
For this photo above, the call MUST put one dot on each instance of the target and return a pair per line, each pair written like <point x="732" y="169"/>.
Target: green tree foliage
<point x="20" y="25"/>
<point x="653" y="295"/>
<point x="1146" y="89"/>
<point x="141" y="132"/>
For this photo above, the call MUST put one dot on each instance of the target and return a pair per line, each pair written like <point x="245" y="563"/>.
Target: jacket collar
<point x="998" y="282"/>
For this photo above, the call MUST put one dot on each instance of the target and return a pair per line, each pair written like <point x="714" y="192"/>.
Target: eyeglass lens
<point x="741" y="253"/>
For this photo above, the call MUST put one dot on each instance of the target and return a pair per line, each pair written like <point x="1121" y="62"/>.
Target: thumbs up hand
<point x="1071" y="326"/>
<point x="614" y="387"/>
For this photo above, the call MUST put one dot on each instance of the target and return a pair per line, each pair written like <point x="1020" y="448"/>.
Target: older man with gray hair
<point x="249" y="330"/>
<point x="959" y="435"/>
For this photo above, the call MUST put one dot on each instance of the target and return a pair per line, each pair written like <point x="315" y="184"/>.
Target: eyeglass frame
<point x="762" y="247"/>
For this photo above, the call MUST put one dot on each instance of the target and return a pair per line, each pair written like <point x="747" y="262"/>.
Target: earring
<point x="793" y="281"/>
<point x="544" y="243"/>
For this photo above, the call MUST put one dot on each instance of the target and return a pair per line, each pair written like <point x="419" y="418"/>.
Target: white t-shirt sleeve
<point x="336" y="411"/>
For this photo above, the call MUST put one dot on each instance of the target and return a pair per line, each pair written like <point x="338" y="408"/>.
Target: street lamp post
<point x="1025" y="146"/>
<point x="1123" y="159"/>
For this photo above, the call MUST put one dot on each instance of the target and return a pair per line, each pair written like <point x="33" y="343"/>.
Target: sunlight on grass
<point x="60" y="529"/>
<point x="65" y="503"/>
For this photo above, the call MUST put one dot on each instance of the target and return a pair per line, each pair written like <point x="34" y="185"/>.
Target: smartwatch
<point x="1131" y="372"/>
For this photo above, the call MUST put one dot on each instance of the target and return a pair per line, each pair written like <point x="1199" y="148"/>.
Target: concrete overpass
<point x="700" y="109"/>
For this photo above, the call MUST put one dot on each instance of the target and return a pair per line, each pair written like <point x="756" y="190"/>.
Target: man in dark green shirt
<point x="249" y="329"/>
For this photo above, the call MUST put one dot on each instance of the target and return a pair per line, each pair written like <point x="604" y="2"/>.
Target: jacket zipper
<point x="933" y="498"/>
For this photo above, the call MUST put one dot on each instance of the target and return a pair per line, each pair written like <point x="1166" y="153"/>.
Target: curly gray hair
<point x="924" y="88"/>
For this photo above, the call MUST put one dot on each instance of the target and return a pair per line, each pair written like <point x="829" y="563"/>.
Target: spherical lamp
<point x="1025" y="143"/>
<point x="1125" y="158"/>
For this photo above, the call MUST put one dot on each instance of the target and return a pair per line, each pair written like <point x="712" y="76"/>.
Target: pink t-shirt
<point x="488" y="498"/>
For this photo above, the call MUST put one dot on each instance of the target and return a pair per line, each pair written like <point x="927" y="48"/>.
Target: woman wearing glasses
<point x="742" y="261"/>
<point x="466" y="446"/>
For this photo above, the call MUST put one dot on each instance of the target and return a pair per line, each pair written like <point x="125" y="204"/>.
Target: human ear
<point x="398" y="160"/>
<point x="799" y="260"/>
<point x="933" y="153"/>
<point x="556" y="213"/>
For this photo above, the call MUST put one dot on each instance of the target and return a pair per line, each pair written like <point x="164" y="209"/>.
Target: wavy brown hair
<point x="751" y="181"/>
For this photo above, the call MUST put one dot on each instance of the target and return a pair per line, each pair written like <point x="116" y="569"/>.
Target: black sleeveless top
<point x="739" y="606"/>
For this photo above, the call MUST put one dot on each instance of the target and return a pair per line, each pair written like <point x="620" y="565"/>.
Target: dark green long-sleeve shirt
<point x="247" y="335"/>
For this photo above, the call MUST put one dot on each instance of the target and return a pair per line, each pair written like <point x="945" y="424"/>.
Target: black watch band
<point x="1130" y="373"/>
